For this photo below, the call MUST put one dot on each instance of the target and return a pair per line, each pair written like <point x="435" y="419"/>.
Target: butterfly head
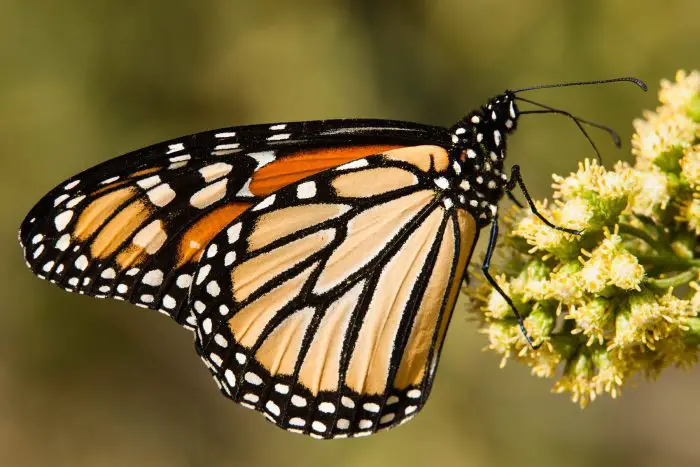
<point x="479" y="148"/>
<point x="502" y="112"/>
<point x="489" y="125"/>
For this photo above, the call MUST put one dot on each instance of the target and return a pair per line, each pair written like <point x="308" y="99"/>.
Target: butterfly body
<point x="318" y="262"/>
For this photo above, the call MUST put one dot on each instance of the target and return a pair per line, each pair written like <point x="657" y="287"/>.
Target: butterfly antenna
<point x="545" y="109"/>
<point x="630" y="79"/>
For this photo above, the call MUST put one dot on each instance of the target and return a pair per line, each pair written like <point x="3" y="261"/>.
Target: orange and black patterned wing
<point x="134" y="228"/>
<point x="325" y="305"/>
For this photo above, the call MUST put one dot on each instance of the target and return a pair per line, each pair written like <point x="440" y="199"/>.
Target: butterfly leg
<point x="493" y="238"/>
<point x="516" y="178"/>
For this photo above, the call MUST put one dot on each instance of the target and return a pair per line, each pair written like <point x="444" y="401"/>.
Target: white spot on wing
<point x="414" y="393"/>
<point x="371" y="407"/>
<point x="81" y="263"/>
<point x="364" y="424"/>
<point x="358" y="164"/>
<point x="251" y="397"/>
<point x="343" y="424"/>
<point x="266" y="203"/>
<point x="153" y="278"/>
<point x="182" y="158"/>
<point x="161" y="195"/>
<point x="60" y="199"/>
<point x="63" y="243"/>
<point x="347" y="402"/>
<point x="318" y="426"/>
<point x="306" y="190"/>
<point x="253" y="379"/>
<point x="183" y="281"/>
<point x="149" y="182"/>
<point x="279" y="137"/>
<point x="326" y="407"/>
<point x="71" y="185"/>
<point x="216" y="359"/>
<point x="175" y="147"/>
<point x="203" y="272"/>
<point x="442" y="182"/>
<point x="215" y="171"/>
<point x="298" y="401"/>
<point x="75" y="201"/>
<point x="147" y="298"/>
<point x="272" y="407"/>
<point x="230" y="378"/>
<point x="297" y="421"/>
<point x="212" y="250"/>
<point x="62" y="220"/>
<point x="229" y="258"/>
<point x="263" y="157"/>
<point x="234" y="232"/>
<point x="206" y="326"/>
<point x="221" y="340"/>
<point x="387" y="418"/>
<point x="213" y="288"/>
<point x="209" y="195"/>
<point x="169" y="302"/>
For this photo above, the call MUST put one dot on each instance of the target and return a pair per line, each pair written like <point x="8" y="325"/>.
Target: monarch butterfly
<point x="318" y="262"/>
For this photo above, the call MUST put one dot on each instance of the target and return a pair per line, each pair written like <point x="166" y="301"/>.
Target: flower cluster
<point x="623" y="297"/>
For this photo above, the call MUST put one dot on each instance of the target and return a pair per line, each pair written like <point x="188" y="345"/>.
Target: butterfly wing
<point x="325" y="305"/>
<point x="134" y="227"/>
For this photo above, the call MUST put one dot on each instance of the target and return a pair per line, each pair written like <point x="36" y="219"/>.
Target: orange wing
<point x="134" y="228"/>
<point x="325" y="305"/>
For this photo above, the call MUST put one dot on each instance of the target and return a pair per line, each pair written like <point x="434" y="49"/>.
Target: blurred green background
<point x="85" y="382"/>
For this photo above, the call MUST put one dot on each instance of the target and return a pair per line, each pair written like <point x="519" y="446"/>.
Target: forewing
<point x="325" y="305"/>
<point x="134" y="228"/>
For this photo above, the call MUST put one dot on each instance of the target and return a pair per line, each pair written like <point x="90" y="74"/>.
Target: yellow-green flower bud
<point x="541" y="320"/>
<point x="594" y="318"/>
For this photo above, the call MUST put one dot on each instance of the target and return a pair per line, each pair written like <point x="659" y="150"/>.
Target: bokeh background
<point x="85" y="382"/>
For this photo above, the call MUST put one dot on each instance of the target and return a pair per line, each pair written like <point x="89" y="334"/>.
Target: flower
<point x="690" y="166"/>
<point x="680" y="95"/>
<point x="623" y="298"/>
<point x="652" y="194"/>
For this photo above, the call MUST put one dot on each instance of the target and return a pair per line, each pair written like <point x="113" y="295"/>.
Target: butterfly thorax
<point x="478" y="151"/>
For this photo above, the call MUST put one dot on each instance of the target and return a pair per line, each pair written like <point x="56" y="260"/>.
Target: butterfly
<point x="317" y="262"/>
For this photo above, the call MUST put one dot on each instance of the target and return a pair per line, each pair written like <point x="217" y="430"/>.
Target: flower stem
<point x="643" y="235"/>
<point x="668" y="260"/>
<point x="672" y="281"/>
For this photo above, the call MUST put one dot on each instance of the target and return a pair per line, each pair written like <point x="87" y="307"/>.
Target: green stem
<point x="672" y="281"/>
<point x="643" y="235"/>
<point x="668" y="261"/>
